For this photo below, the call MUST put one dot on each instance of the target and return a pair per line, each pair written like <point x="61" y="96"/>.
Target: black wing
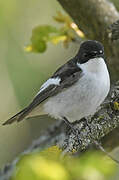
<point x="69" y="74"/>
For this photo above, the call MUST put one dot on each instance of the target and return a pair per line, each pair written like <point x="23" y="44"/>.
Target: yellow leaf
<point x="57" y="39"/>
<point x="116" y="106"/>
<point x="61" y="18"/>
<point x="48" y="169"/>
<point x="28" y="48"/>
<point x="77" y="30"/>
<point x="53" y="149"/>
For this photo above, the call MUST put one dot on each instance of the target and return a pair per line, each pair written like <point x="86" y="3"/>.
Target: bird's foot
<point x="75" y="130"/>
<point x="82" y="123"/>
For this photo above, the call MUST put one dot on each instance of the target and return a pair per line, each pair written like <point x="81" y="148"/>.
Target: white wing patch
<point x="50" y="81"/>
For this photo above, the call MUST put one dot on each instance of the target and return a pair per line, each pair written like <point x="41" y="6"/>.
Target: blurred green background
<point x="22" y="73"/>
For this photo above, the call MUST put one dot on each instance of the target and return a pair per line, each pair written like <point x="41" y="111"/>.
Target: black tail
<point x="36" y="101"/>
<point x="18" y="117"/>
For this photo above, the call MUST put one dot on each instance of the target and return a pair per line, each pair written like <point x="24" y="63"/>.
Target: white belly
<point x="81" y="99"/>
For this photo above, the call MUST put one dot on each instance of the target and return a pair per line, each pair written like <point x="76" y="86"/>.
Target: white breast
<point x="83" y="98"/>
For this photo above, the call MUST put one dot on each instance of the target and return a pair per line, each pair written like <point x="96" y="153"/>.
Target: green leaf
<point x="43" y="34"/>
<point x="40" y="37"/>
<point x="43" y="31"/>
<point x="39" y="46"/>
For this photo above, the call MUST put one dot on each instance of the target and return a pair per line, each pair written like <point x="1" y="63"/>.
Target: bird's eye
<point x="101" y="52"/>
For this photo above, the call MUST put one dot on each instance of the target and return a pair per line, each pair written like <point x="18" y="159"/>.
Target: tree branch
<point x="93" y="17"/>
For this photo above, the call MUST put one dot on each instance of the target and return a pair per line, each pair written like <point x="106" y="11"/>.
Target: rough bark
<point x="94" y="18"/>
<point x="114" y="30"/>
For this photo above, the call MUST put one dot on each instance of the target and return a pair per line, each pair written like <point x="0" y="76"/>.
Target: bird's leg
<point x="68" y="123"/>
<point x="74" y="130"/>
<point x="71" y="125"/>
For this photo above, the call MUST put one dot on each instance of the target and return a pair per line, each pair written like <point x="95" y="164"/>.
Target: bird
<point x="75" y="90"/>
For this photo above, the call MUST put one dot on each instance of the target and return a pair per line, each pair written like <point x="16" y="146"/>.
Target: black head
<point x="90" y="49"/>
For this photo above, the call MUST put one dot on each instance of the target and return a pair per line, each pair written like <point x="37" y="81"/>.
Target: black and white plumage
<point x="76" y="89"/>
